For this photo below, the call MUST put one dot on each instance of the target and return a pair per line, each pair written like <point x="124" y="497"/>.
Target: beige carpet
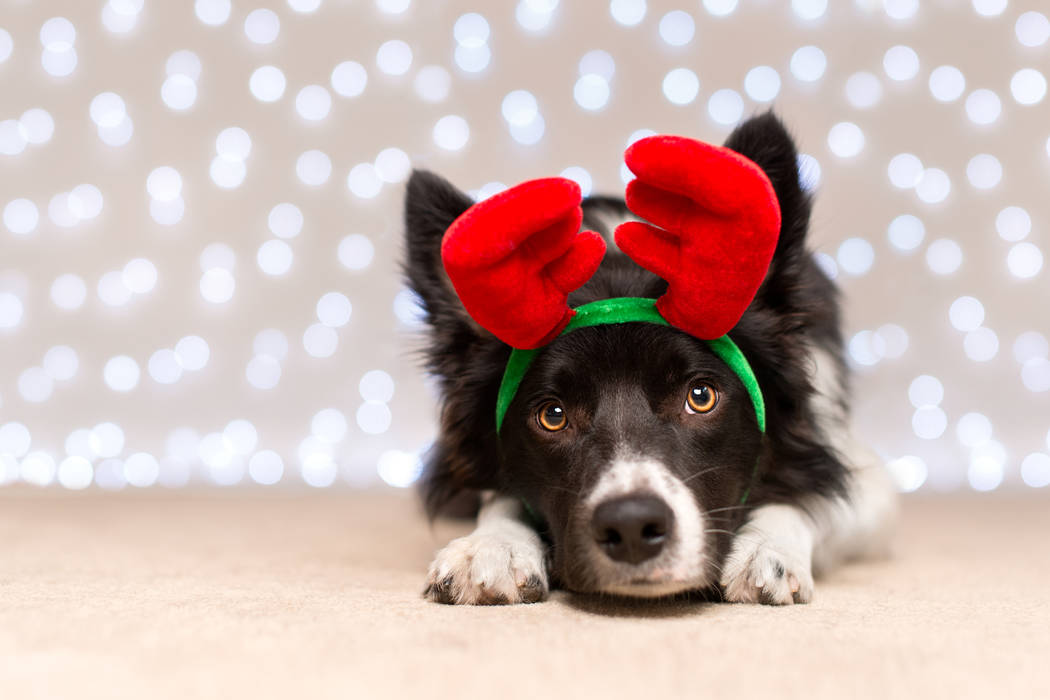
<point x="154" y="595"/>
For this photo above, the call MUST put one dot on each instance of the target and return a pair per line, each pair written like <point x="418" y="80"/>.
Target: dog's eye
<point x="552" y="416"/>
<point x="701" y="399"/>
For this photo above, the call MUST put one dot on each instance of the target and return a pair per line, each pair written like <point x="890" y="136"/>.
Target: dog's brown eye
<point x="701" y="399"/>
<point x="552" y="417"/>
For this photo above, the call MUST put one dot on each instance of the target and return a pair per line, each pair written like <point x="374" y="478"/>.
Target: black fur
<point x="602" y="368"/>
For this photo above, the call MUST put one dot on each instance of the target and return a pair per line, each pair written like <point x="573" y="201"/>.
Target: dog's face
<point x="635" y="444"/>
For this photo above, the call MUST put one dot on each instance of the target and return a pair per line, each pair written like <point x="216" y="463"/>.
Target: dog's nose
<point x="633" y="528"/>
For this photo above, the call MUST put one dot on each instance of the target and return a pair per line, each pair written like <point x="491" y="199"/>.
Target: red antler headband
<point x="515" y="257"/>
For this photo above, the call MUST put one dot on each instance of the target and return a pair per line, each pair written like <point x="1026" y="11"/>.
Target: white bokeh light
<point x="1024" y="260"/>
<point x="900" y="63"/>
<point x="1031" y="345"/>
<point x="472" y="59"/>
<point x="112" y="290"/>
<point x="863" y="90"/>
<point x="285" y="220"/>
<point x="680" y="86"/>
<point x="179" y="92"/>
<point x="121" y="373"/>
<point x="37" y="125"/>
<point x="908" y="472"/>
<point x="905" y="170"/>
<point x="947" y="83"/>
<point x="262" y="26"/>
<point x="581" y="177"/>
<point x="373" y="417"/>
<point x="192" y="352"/>
<point x="906" y="232"/>
<point x="973" y="429"/>
<point x="432" y="83"/>
<point x="263" y="372"/>
<point x="320" y="341"/>
<point x="184" y="62"/>
<point x="981" y="344"/>
<point x="598" y="62"/>
<point x="75" y="472"/>
<point x="451" y="132"/>
<point x="266" y="467"/>
<point x="267" y="83"/>
<point x="966" y="314"/>
<point x="313" y="167"/>
<point x="592" y="92"/>
<point x="141" y="469"/>
<point x="61" y="362"/>
<point x="164" y="183"/>
<point x="855" y="256"/>
<point x="398" y="468"/>
<point x="21" y="216"/>
<point x="984" y="171"/>
<point x="313" y="103"/>
<point x="227" y="173"/>
<point x="1013" y="224"/>
<point x="929" y="422"/>
<point x="925" y="390"/>
<point x="990" y="8"/>
<point x="471" y="29"/>
<point x="677" y="28"/>
<point x="1035" y="374"/>
<point x="808" y="63"/>
<point x="1035" y="470"/>
<point x="394" y="57"/>
<point x="217" y="285"/>
<point x="349" y="79"/>
<point x="329" y="425"/>
<point x="809" y="9"/>
<point x="334" y="310"/>
<point x="627" y="12"/>
<point x="726" y="106"/>
<point x="846" y="140"/>
<point x="356" y="251"/>
<point x="393" y="165"/>
<point x="762" y="83"/>
<point x="68" y="292"/>
<point x="364" y="181"/>
<point x="1032" y="28"/>
<point x="212" y="12"/>
<point x="35" y="385"/>
<point x="274" y="257"/>
<point x="944" y="256"/>
<point x="934" y="186"/>
<point x="1028" y="86"/>
<point x="519" y="107"/>
<point x="377" y="386"/>
<point x="164" y="366"/>
<point x="11" y="310"/>
<point x="983" y="106"/>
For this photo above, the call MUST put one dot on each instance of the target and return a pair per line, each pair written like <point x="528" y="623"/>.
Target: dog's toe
<point x="763" y="575"/>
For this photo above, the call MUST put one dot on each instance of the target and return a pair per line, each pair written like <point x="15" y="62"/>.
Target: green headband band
<point x="626" y="310"/>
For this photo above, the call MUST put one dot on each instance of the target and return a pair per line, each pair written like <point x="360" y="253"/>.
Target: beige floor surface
<point x="154" y="595"/>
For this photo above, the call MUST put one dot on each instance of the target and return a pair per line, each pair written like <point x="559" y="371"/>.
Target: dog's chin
<point x="652" y="589"/>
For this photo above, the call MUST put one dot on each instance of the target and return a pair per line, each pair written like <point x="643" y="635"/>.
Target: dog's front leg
<point x="503" y="561"/>
<point x="770" y="560"/>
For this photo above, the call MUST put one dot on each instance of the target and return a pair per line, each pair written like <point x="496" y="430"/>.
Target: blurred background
<point x="201" y="206"/>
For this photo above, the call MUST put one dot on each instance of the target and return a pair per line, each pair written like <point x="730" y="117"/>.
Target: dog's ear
<point x="467" y="360"/>
<point x="765" y="140"/>
<point x="431" y="205"/>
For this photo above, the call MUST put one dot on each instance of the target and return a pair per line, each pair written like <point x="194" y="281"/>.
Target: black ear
<point x="431" y="205"/>
<point x="467" y="360"/>
<point x="765" y="140"/>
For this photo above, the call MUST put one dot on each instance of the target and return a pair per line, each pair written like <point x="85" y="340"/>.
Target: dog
<point x="641" y="497"/>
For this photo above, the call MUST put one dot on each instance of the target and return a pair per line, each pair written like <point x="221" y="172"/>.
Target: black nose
<point x="633" y="528"/>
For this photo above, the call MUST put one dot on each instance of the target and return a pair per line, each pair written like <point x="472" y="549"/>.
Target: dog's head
<point x="632" y="444"/>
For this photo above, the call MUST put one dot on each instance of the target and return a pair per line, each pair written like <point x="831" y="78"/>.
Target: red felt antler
<point x="716" y="226"/>
<point x="515" y="257"/>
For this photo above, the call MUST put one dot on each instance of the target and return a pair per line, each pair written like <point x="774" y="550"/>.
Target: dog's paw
<point x="758" y="572"/>
<point x="489" y="568"/>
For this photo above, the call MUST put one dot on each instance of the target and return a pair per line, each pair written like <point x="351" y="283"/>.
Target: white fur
<point x="819" y="533"/>
<point x="680" y="566"/>
<point x="502" y="561"/>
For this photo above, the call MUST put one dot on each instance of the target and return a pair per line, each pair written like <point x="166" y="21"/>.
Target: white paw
<point x="492" y="567"/>
<point x="757" y="571"/>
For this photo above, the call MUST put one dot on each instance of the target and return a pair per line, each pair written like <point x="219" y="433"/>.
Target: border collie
<point x="638" y="501"/>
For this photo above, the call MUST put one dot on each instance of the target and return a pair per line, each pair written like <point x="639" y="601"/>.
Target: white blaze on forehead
<point x="630" y="475"/>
